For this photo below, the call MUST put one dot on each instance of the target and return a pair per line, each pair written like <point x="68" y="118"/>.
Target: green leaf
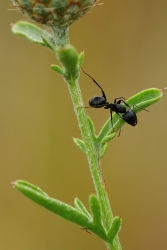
<point x="107" y="138"/>
<point x="34" y="34"/>
<point x="97" y="216"/>
<point x="47" y="44"/>
<point x="60" y="208"/>
<point x="103" y="150"/>
<point x="81" y="58"/>
<point x="31" y="186"/>
<point x="68" y="56"/>
<point x="57" y="68"/>
<point x="104" y="143"/>
<point x="80" y="206"/>
<point x="96" y="210"/>
<point x="79" y="216"/>
<point x="80" y="143"/>
<point x="143" y="100"/>
<point x="115" y="228"/>
<point x="92" y="127"/>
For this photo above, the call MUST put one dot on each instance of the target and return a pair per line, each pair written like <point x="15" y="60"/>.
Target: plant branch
<point x="71" y="64"/>
<point x="92" y="155"/>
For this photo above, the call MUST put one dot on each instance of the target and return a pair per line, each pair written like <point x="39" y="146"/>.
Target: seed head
<point x="55" y="12"/>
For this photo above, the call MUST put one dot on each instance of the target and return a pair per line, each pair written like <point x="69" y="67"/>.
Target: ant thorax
<point x="118" y="108"/>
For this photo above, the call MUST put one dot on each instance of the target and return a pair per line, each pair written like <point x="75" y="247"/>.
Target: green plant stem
<point x="61" y="35"/>
<point x="62" y="39"/>
<point x="92" y="155"/>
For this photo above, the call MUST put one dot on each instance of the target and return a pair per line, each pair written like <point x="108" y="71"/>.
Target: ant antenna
<point x="96" y="83"/>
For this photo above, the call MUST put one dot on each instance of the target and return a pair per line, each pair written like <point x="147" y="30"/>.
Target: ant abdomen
<point x="130" y="117"/>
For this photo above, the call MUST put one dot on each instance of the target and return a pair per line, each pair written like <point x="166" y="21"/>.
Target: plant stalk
<point x="92" y="155"/>
<point x="62" y="39"/>
<point x="61" y="36"/>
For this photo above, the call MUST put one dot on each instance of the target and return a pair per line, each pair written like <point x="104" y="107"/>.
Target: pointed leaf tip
<point x="13" y="184"/>
<point x="115" y="228"/>
<point x="80" y="144"/>
<point x="56" y="68"/>
<point x="81" y="58"/>
<point x="163" y="90"/>
<point x="99" y="4"/>
<point x="80" y="206"/>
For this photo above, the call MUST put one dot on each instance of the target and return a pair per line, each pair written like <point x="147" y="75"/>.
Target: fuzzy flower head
<point x="54" y="12"/>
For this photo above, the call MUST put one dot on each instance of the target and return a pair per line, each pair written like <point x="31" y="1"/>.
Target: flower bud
<point x="54" y="12"/>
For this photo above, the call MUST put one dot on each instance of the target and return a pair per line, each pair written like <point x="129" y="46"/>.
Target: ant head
<point x="97" y="101"/>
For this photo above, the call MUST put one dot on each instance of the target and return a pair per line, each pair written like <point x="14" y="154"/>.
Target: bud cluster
<point x="54" y="12"/>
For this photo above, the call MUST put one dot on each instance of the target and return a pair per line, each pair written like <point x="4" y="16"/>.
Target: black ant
<point x="129" y="116"/>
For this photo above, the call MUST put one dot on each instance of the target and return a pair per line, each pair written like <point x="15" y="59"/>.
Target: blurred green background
<point x="125" y="45"/>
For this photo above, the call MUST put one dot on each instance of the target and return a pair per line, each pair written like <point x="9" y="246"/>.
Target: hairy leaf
<point x="34" y="34"/>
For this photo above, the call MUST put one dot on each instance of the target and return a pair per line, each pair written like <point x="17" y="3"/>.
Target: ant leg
<point x="124" y="103"/>
<point x="119" y="133"/>
<point x="119" y="98"/>
<point x="140" y="108"/>
<point x="120" y="128"/>
<point x="111" y="120"/>
<point x="133" y="105"/>
<point x="83" y="107"/>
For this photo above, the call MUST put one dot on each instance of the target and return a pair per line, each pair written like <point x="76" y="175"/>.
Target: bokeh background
<point x="125" y="45"/>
